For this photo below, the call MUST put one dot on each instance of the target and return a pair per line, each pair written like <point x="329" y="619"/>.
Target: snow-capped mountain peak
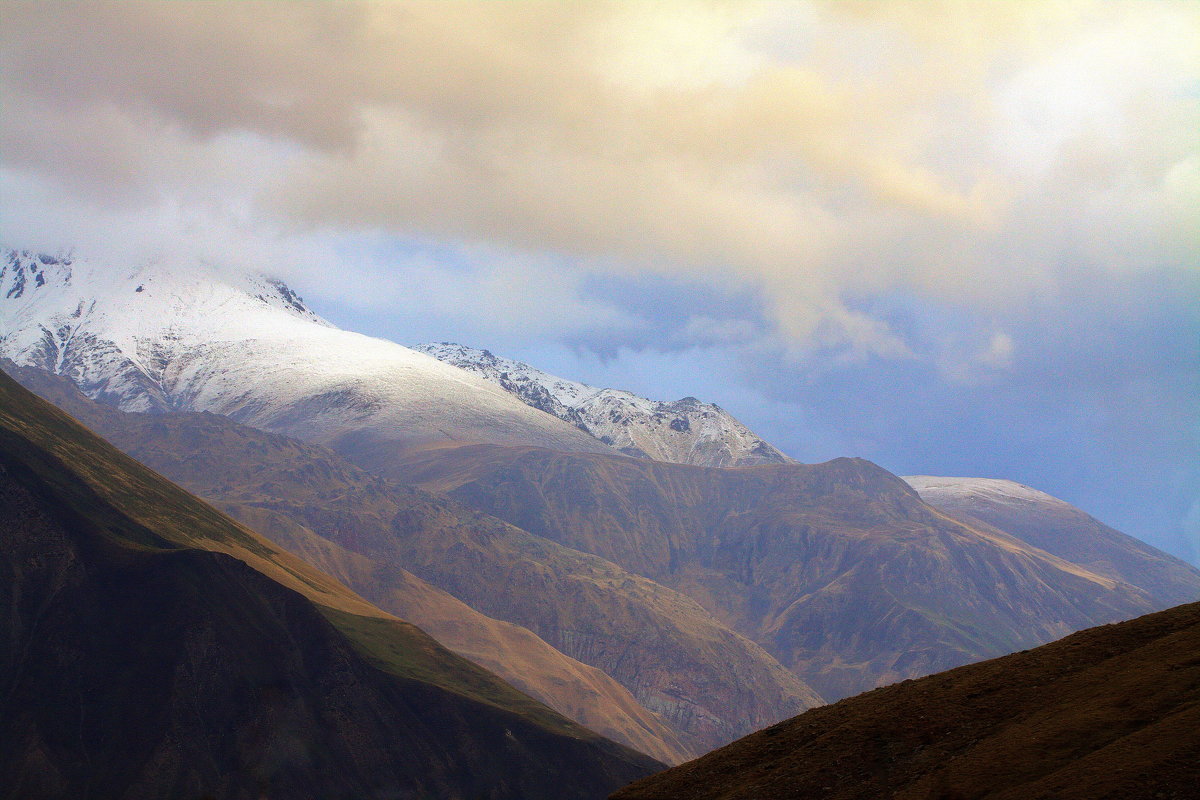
<point x="24" y="271"/>
<point x="164" y="336"/>
<point x="34" y="285"/>
<point x="938" y="490"/>
<point x="685" y="431"/>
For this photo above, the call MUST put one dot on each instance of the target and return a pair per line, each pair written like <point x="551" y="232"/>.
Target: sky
<point x="955" y="238"/>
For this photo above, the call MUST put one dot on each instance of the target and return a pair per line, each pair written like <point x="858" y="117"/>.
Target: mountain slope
<point x="155" y="648"/>
<point x="580" y="692"/>
<point x="1110" y="713"/>
<point x="1062" y="529"/>
<point x="196" y="338"/>
<point x="837" y="569"/>
<point x="683" y="431"/>
<point x="710" y="684"/>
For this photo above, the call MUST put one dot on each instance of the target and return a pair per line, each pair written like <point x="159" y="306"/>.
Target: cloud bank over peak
<point x="809" y="151"/>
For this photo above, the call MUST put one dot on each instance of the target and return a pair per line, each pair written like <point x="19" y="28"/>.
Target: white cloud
<point x="705" y="330"/>
<point x="810" y="151"/>
<point x="999" y="350"/>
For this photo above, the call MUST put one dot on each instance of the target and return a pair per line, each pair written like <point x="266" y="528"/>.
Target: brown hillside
<point x="1064" y="530"/>
<point x="1111" y="713"/>
<point x="838" y="569"/>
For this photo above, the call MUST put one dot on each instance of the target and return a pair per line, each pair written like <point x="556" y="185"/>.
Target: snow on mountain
<point x="940" y="490"/>
<point x="198" y="338"/>
<point x="683" y="431"/>
<point x="1060" y="528"/>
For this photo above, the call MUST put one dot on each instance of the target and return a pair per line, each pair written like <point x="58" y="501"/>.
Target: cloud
<point x="486" y="303"/>
<point x="705" y="330"/>
<point x="813" y="152"/>
<point x="999" y="350"/>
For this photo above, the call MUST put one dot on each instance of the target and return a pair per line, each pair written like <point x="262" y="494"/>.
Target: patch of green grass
<point x="402" y="649"/>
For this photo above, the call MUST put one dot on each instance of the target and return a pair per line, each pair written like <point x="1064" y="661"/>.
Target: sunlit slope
<point x="1060" y="528"/>
<point x="522" y="659"/>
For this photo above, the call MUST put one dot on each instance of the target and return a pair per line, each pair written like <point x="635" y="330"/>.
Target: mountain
<point x="839" y="570"/>
<point x="1062" y="529"/>
<point x="683" y="431"/>
<point x="695" y="588"/>
<point x="1111" y="713"/>
<point x="154" y="648"/>
<point x="394" y="544"/>
<point x="192" y="337"/>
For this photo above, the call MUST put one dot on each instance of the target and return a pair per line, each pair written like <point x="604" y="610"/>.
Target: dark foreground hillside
<point x="1110" y="712"/>
<point x="153" y="648"/>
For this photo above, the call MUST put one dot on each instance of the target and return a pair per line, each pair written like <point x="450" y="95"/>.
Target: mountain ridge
<point x="1058" y="527"/>
<point x="685" y="431"/>
<point x="709" y="683"/>
<point x="195" y="337"/>
<point x="839" y="570"/>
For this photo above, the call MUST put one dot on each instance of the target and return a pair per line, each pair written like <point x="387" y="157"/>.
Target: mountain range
<point x="685" y="431"/>
<point x="839" y="570"/>
<point x="653" y="571"/>
<point x="420" y="556"/>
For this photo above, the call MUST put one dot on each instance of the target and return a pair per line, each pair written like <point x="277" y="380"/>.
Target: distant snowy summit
<point x="1060" y="528"/>
<point x="938" y="490"/>
<point x="194" y="337"/>
<point x="164" y="336"/>
<point x="683" y="431"/>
